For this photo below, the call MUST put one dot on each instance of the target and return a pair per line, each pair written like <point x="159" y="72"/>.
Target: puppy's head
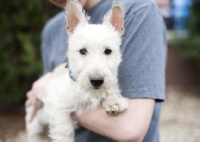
<point x="94" y="50"/>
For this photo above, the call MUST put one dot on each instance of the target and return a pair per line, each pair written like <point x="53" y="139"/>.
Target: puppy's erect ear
<point x="116" y="18"/>
<point x="75" y="16"/>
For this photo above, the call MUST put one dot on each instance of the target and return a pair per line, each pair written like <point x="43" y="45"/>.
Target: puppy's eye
<point x="107" y="51"/>
<point x="83" y="51"/>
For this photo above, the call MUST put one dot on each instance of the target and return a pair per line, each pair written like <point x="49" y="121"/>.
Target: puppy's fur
<point x="91" y="78"/>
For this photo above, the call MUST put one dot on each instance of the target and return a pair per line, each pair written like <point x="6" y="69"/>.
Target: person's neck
<point x="90" y="3"/>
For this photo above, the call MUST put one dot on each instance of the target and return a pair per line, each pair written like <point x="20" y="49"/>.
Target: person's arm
<point x="130" y="125"/>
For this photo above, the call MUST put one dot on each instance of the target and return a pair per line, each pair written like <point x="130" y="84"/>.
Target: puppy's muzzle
<point x="96" y="81"/>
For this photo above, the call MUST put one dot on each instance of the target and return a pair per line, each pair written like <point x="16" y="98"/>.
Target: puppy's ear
<point x="116" y="18"/>
<point x="75" y="16"/>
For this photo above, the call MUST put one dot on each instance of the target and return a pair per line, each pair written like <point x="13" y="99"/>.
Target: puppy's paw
<point x="115" y="105"/>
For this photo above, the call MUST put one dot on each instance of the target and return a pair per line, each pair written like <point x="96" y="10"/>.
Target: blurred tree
<point x="191" y="46"/>
<point x="21" y="23"/>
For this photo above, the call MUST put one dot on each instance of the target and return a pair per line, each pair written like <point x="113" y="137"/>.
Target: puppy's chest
<point x="87" y="101"/>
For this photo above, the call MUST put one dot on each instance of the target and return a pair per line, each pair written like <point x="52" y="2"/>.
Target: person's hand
<point x="59" y="3"/>
<point x="36" y="94"/>
<point x="34" y="102"/>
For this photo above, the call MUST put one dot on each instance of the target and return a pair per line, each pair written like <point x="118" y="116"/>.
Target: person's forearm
<point x="130" y="125"/>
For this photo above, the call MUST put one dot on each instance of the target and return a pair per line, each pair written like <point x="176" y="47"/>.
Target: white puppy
<point x="91" y="78"/>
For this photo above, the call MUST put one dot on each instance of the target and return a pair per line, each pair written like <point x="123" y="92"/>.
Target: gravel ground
<point x="180" y="119"/>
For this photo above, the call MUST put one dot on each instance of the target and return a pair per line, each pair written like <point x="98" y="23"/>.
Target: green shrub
<point x="190" y="47"/>
<point x="20" y="62"/>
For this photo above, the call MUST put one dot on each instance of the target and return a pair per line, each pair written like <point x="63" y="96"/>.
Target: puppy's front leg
<point x="61" y="128"/>
<point x="35" y="128"/>
<point x="114" y="103"/>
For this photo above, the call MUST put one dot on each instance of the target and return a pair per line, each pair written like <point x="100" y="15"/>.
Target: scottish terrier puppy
<point x="91" y="78"/>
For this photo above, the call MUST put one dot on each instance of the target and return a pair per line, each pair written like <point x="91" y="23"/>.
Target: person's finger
<point x="37" y="104"/>
<point x="28" y="103"/>
<point x="34" y="111"/>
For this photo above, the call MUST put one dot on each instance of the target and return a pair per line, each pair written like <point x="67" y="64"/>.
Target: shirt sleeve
<point x="142" y="70"/>
<point x="45" y="50"/>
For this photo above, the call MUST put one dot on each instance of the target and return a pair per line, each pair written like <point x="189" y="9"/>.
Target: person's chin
<point x="60" y="3"/>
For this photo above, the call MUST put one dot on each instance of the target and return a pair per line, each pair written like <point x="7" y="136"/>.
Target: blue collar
<point x="70" y="73"/>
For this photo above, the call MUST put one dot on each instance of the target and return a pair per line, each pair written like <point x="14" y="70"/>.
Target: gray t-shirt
<point x="142" y="71"/>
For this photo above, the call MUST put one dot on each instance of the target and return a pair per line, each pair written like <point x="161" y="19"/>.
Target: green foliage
<point x="190" y="47"/>
<point x="21" y="23"/>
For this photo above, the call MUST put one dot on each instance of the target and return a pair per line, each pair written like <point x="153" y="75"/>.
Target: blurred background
<point x="21" y="23"/>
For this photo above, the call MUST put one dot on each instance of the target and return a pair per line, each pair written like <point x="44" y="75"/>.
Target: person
<point x="141" y="73"/>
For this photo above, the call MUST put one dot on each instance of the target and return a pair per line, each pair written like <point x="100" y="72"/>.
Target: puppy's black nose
<point x="97" y="81"/>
